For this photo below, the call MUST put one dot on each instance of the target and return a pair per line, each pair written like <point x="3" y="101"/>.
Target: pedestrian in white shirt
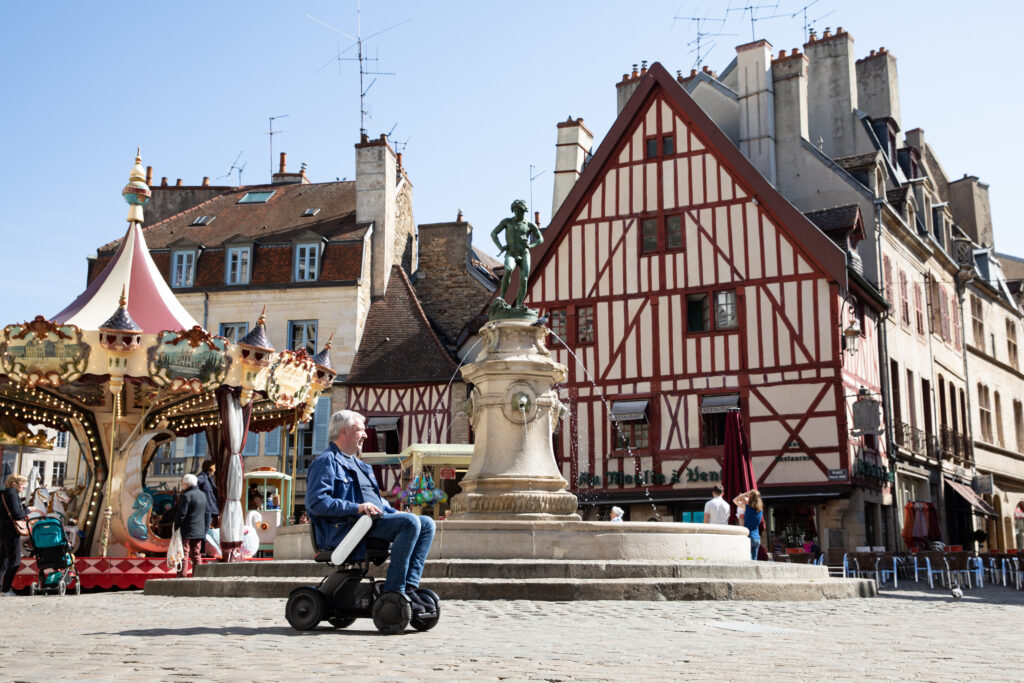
<point x="716" y="510"/>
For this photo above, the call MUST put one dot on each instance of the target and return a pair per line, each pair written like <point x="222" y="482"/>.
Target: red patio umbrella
<point x="737" y="469"/>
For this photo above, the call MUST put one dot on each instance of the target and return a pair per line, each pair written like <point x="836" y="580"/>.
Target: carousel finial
<point x="262" y="320"/>
<point x="123" y="301"/>
<point x="136" y="192"/>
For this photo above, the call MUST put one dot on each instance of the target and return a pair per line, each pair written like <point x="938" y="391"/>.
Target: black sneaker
<point x="419" y="605"/>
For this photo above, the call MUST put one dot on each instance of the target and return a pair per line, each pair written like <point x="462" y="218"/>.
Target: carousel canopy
<point x="151" y="303"/>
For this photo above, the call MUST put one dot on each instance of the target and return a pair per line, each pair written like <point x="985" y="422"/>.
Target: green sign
<point x="618" y="478"/>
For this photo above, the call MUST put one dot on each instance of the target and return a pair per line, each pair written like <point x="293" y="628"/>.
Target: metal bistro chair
<point x="887" y="566"/>
<point x="931" y="562"/>
<point x="963" y="567"/>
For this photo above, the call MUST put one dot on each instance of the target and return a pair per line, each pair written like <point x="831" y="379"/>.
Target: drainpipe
<point x="206" y="309"/>
<point x="963" y="278"/>
<point x="883" y="355"/>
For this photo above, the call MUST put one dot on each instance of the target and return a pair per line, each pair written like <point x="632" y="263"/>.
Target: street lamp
<point x="851" y="333"/>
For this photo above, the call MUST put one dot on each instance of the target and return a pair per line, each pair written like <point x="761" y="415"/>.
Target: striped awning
<point x="719" y="404"/>
<point x="628" y="411"/>
<point x="383" y="424"/>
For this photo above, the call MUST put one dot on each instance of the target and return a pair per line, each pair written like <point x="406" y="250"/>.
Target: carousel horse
<point x="40" y="499"/>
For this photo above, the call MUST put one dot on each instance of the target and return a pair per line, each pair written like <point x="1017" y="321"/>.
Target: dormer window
<point x="307" y="262"/>
<point x="237" y="261"/>
<point x="183" y="268"/>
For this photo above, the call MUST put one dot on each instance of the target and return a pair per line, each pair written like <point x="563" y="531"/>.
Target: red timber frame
<point x="783" y="358"/>
<point x="425" y="411"/>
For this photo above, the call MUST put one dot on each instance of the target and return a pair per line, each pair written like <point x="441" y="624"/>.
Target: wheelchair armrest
<point x="352" y="539"/>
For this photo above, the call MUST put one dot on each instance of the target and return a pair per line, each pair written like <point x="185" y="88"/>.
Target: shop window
<point x="630" y="426"/>
<point x="585" y="325"/>
<point x="713" y="410"/>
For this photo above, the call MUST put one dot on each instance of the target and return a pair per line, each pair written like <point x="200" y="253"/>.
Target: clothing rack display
<point x="920" y="524"/>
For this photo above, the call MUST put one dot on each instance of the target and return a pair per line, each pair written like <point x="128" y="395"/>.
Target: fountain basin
<point x="540" y="539"/>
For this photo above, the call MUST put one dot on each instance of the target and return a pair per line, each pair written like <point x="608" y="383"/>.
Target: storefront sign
<point x="838" y="475"/>
<point x="446" y="473"/>
<point x="862" y="468"/>
<point x="617" y="478"/>
<point x="867" y="415"/>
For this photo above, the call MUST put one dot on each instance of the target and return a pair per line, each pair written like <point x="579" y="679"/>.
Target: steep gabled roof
<point x="819" y="249"/>
<point x="399" y="346"/>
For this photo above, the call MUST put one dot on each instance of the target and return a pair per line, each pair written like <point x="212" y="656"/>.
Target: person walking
<point x="208" y="485"/>
<point x="617" y="513"/>
<point x="190" y="521"/>
<point x="10" y="540"/>
<point x="753" y="510"/>
<point x="716" y="510"/>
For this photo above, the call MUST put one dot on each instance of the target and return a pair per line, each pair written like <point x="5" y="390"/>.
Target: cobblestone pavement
<point x="904" y="635"/>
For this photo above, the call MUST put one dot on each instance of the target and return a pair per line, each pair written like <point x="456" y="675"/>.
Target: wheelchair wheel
<point x="62" y="587"/>
<point x="341" y="622"/>
<point x="33" y="588"/>
<point x="427" y="623"/>
<point x="305" y="608"/>
<point x="391" y="613"/>
<point x="78" y="586"/>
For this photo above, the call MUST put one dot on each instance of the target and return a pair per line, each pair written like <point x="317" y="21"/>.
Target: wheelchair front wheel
<point x="391" y="613"/>
<point x="341" y="622"/>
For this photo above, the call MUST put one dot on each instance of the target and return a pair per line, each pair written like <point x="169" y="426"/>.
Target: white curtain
<point x="231" y="522"/>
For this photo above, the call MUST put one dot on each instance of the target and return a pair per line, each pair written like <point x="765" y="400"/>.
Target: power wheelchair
<point x="348" y="593"/>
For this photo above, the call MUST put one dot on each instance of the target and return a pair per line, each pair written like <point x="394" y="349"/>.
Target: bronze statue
<point x="521" y="235"/>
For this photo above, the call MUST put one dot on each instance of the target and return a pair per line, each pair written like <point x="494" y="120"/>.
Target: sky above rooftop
<point x="476" y="92"/>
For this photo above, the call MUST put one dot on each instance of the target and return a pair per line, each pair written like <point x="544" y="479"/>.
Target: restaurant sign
<point x="618" y="478"/>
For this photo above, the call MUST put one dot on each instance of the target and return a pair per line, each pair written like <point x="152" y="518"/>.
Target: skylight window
<point x="256" y="197"/>
<point x="310" y="212"/>
<point x="203" y="220"/>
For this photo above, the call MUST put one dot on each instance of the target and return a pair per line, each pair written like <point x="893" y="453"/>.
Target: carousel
<point x="124" y="369"/>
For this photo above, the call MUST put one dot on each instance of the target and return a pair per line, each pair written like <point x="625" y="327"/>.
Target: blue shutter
<point x="252" y="444"/>
<point x="199" y="445"/>
<point x="321" y="418"/>
<point x="272" y="444"/>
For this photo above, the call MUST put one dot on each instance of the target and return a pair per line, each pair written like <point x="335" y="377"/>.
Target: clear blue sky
<point x="477" y="91"/>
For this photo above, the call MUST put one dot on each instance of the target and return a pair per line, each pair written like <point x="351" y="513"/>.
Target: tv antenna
<point x="235" y="167"/>
<point x="364" y="72"/>
<point x="752" y="11"/>
<point x="532" y="178"/>
<point x="271" y="132"/>
<point x="809" y="24"/>
<point x="701" y="35"/>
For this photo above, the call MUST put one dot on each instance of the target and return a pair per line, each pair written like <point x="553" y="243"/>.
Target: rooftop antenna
<point x="362" y="59"/>
<point x="270" y="132"/>
<point x="701" y="35"/>
<point x="809" y="24"/>
<point x="532" y="178"/>
<point x="235" y="167"/>
<point x="752" y="10"/>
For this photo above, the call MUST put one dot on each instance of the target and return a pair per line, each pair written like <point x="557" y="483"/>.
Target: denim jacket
<point x="333" y="497"/>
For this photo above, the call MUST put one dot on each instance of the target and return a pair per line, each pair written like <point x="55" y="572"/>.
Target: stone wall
<point x="450" y="295"/>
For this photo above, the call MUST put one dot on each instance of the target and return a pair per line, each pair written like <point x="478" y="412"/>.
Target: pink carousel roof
<point x="151" y="303"/>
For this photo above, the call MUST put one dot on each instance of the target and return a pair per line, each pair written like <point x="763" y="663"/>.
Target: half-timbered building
<point x="679" y="285"/>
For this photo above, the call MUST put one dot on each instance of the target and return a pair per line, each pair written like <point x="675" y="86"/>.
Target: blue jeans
<point x="755" y="543"/>
<point x="410" y="537"/>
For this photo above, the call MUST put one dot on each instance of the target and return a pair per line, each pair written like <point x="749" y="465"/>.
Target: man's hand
<point x="369" y="509"/>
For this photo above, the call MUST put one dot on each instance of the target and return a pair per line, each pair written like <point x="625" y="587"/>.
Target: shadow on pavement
<point x="993" y="595"/>
<point x="235" y="631"/>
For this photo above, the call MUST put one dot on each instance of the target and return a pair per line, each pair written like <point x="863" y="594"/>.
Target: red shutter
<point x="888" y="285"/>
<point x="904" y="299"/>
<point x="944" y="312"/>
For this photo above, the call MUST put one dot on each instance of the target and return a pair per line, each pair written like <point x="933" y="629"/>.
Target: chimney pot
<point x="149" y="175"/>
<point x="812" y="36"/>
<point x="635" y="73"/>
<point x="871" y="54"/>
<point x="693" y="72"/>
<point x="782" y="54"/>
<point x="625" y="77"/>
<point x="178" y="183"/>
<point x="383" y="137"/>
<point x="206" y="181"/>
<point x="163" y="182"/>
<point x="707" y="69"/>
<point x="536" y="217"/>
<point x="839" y="30"/>
<point x="827" y="33"/>
<point x="458" y="216"/>
<point x="399" y="159"/>
<point x="283" y="159"/>
<point x="643" y="67"/>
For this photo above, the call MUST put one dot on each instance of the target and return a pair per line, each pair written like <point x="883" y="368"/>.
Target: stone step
<point x="549" y="589"/>
<point x="538" y="569"/>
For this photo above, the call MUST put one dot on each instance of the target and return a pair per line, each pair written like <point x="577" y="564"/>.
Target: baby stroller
<point x="54" y="560"/>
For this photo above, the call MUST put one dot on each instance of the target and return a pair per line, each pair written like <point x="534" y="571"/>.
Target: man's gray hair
<point x="340" y="420"/>
<point x="189" y="480"/>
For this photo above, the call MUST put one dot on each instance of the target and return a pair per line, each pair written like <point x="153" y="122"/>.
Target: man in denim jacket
<point x="340" y="487"/>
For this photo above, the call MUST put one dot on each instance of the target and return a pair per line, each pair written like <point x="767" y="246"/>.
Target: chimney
<point x="283" y="159"/>
<point x="571" y="151"/>
<point x="789" y="78"/>
<point x="206" y="181"/>
<point x="283" y="177"/>
<point x="398" y="160"/>
<point x="878" y="90"/>
<point x="458" y="216"/>
<point x="832" y="93"/>
<point x="163" y="181"/>
<point x="624" y="89"/>
<point x="757" y="106"/>
<point x="536" y="218"/>
<point x="149" y="175"/>
<point x="376" y="193"/>
<point x="178" y="183"/>
<point x="968" y="200"/>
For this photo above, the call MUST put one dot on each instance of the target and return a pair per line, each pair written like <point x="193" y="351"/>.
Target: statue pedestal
<point x="513" y="410"/>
